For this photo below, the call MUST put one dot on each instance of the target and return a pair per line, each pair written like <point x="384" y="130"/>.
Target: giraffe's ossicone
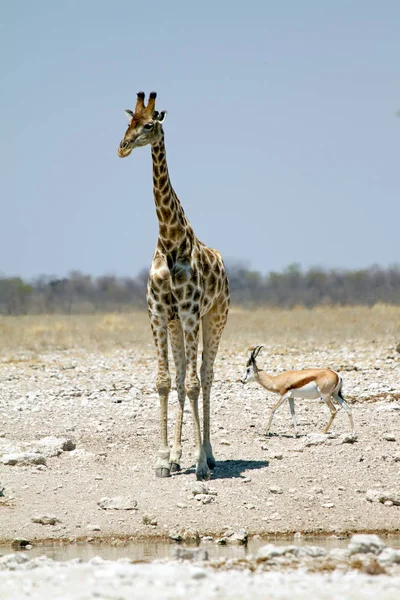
<point x="187" y="286"/>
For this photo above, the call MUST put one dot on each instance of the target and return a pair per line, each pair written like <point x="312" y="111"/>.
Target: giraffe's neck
<point x="173" y="224"/>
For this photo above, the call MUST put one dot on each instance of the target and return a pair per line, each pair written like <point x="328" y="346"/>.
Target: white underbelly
<point x="310" y="390"/>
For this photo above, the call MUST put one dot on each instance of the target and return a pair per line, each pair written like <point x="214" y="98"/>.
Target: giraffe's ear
<point x="129" y="114"/>
<point x="162" y="116"/>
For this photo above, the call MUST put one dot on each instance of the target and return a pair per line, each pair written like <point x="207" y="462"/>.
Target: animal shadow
<point x="230" y="469"/>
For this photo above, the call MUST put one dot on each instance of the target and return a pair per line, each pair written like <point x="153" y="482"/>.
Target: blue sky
<point x="282" y="136"/>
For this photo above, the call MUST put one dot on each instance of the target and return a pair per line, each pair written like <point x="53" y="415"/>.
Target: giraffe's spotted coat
<point x="187" y="286"/>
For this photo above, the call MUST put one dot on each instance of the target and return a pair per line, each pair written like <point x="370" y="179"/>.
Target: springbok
<point x="307" y="383"/>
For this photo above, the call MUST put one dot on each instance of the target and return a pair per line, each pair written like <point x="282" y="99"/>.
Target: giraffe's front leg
<point x="163" y="385"/>
<point x="178" y="351"/>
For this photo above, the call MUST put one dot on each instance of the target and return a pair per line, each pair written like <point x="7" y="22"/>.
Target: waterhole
<point x="146" y="551"/>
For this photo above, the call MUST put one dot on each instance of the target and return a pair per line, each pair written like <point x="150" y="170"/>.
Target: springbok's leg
<point x="213" y="324"/>
<point x="274" y="408"/>
<point x="333" y="412"/>
<point x="178" y="351"/>
<point x="293" y="415"/>
<point x="159" y="328"/>
<point x="339" y="398"/>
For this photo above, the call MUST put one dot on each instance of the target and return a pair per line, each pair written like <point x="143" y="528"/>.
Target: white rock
<point x="23" y="458"/>
<point x="393" y="406"/>
<point x="192" y="554"/>
<point x="239" y="537"/>
<point x="271" y="551"/>
<point x="199" y="488"/>
<point x="13" y="561"/>
<point x="389" y="556"/>
<point x="364" y="543"/>
<point x="339" y="554"/>
<point x="313" y="551"/>
<point x="383" y="496"/>
<point x="52" y="446"/>
<point x="315" y="439"/>
<point x="117" y="503"/>
<point x="275" y="517"/>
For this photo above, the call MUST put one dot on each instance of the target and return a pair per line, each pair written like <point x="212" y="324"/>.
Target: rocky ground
<point x="79" y="437"/>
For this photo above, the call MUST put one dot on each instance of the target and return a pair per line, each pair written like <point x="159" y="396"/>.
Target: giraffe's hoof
<point x="203" y="474"/>
<point x="211" y="462"/>
<point x="163" y="472"/>
<point x="175" y="467"/>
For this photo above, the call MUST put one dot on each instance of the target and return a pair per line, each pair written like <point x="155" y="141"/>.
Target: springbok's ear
<point x="162" y="116"/>
<point x="129" y="114"/>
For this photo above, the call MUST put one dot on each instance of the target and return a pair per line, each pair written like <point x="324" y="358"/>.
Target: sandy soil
<point x="101" y="397"/>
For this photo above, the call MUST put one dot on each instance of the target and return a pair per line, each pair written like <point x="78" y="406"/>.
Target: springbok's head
<point x="144" y="125"/>
<point x="251" y="367"/>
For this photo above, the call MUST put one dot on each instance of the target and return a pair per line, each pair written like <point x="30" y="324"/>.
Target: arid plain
<point x="89" y="382"/>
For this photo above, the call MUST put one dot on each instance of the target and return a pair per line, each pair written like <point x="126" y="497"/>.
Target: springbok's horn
<point x="256" y="352"/>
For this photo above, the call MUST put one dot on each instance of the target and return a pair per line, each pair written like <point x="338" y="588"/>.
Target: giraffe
<point x="187" y="286"/>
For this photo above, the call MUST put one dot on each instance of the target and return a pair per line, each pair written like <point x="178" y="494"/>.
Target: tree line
<point x="80" y="293"/>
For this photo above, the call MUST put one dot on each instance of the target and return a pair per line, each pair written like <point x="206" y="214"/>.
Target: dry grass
<point x="275" y="327"/>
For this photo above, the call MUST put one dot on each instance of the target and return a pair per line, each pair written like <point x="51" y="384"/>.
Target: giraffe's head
<point x="144" y="125"/>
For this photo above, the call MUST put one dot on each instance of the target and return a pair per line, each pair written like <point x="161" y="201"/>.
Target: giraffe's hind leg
<point x="178" y="352"/>
<point x="213" y="324"/>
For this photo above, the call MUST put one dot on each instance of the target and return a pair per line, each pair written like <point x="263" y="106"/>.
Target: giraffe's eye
<point x="148" y="126"/>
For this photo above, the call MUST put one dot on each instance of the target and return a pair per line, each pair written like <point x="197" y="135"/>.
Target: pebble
<point x="199" y="488"/>
<point x="149" y="520"/>
<point x="389" y="437"/>
<point x="275" y="516"/>
<point x="349" y="438"/>
<point x="275" y="489"/>
<point x="19" y="543"/>
<point x="184" y="535"/>
<point x="205" y="498"/>
<point x="46" y="520"/>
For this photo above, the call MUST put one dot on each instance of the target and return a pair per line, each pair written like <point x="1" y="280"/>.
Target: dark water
<point x="150" y="550"/>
